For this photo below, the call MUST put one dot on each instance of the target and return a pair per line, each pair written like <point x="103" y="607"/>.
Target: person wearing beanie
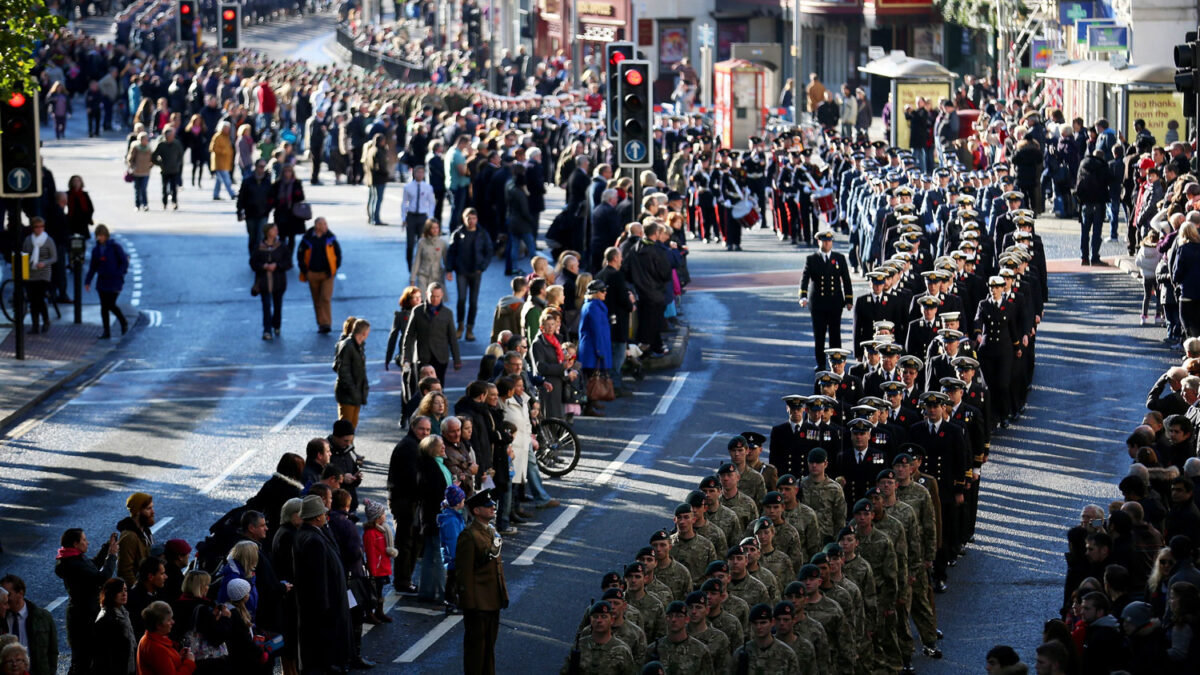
<point x="1003" y="660"/>
<point x="451" y="522"/>
<point x="175" y="555"/>
<point x="245" y="655"/>
<point x="135" y="538"/>
<point x="379" y="549"/>
<point x="1147" y="637"/>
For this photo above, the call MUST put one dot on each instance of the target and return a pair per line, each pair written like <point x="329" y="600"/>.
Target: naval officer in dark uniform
<point x="826" y="290"/>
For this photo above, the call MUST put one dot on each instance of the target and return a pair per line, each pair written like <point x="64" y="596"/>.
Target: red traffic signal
<point x="616" y="58"/>
<point x="633" y="78"/>
<point x="185" y="9"/>
<point x="17" y="100"/>
<point x="229" y="15"/>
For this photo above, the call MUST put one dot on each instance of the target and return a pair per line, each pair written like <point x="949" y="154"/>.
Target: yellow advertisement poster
<point x="1163" y="113"/>
<point x="907" y="94"/>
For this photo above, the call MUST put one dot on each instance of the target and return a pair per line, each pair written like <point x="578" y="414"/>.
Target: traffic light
<point x="1187" y="72"/>
<point x="185" y="26"/>
<point x="20" y="141"/>
<point x="614" y="54"/>
<point x="636" y="112"/>
<point x="231" y="27"/>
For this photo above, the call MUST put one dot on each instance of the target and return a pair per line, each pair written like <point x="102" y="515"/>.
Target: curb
<point x="677" y="343"/>
<point x="53" y="385"/>
<point x="1126" y="265"/>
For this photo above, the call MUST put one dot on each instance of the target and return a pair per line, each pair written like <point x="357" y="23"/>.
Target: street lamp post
<point x="798" y="67"/>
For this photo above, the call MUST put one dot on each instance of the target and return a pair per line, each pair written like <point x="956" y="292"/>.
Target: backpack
<point x="223" y="534"/>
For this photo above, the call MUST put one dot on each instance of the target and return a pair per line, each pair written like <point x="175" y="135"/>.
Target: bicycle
<point x="6" y="302"/>
<point x="558" y="447"/>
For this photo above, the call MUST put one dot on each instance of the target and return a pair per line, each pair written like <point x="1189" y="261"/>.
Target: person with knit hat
<point x="135" y="539"/>
<point x="451" y="522"/>
<point x="175" y="555"/>
<point x="379" y="548"/>
<point x="245" y="655"/>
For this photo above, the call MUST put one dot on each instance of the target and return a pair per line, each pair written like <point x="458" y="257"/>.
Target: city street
<point x="195" y="409"/>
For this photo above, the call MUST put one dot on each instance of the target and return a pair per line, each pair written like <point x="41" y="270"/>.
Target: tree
<point x="25" y="24"/>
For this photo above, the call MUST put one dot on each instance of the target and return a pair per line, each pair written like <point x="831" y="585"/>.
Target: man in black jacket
<point x="829" y="275"/>
<point x="402" y="496"/>
<point x="650" y="270"/>
<point x="1091" y="190"/>
<point x="606" y="228"/>
<point x="315" y="132"/>
<point x="919" y="123"/>
<point x="620" y="305"/>
<point x="254" y="202"/>
<point x="946" y="460"/>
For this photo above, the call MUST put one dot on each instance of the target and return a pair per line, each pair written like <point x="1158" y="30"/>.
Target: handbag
<point x="128" y="176"/>
<point x="600" y="387"/>
<point x="302" y="210"/>
<point x="200" y="646"/>
<point x="255" y="290"/>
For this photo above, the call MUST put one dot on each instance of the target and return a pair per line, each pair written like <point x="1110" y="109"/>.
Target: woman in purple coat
<point x="108" y="266"/>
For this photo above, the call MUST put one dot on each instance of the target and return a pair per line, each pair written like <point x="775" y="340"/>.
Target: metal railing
<point x="368" y="60"/>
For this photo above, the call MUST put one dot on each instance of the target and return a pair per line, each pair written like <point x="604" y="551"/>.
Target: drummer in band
<point x="703" y="199"/>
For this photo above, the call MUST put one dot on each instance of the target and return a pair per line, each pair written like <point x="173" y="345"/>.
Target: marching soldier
<point x="827" y="277"/>
<point x="600" y="652"/>
<point x="677" y="651"/>
<point x="668" y="570"/>
<point x="745" y="508"/>
<point x="718" y="644"/>
<point x="754" y="446"/>
<point x="787" y="439"/>
<point x="877" y="550"/>
<point x="750" y="481"/>
<point x="702" y="525"/>
<point x="829" y="614"/>
<point x="692" y="550"/>
<point x="762" y="652"/>
<point x="849" y="388"/>
<point x="769" y="557"/>
<point x="946" y="458"/>
<point x="823" y="494"/>
<point x="798" y="514"/>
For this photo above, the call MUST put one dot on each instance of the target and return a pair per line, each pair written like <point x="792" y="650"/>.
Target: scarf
<point x="39" y="240"/>
<point x="441" y="462"/>
<point x="67" y="552"/>
<point x="285" y="193"/>
<point x="553" y="341"/>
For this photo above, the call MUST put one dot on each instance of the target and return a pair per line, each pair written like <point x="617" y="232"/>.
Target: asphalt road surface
<point x="195" y="409"/>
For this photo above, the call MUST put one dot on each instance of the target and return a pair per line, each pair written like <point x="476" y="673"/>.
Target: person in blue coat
<point x="108" y="266"/>
<point x="595" y="336"/>
<point x="1185" y="273"/>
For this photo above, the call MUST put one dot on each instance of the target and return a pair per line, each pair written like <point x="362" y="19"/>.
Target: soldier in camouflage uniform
<point x="907" y="570"/>
<point x="717" y="642"/>
<point x="876" y="548"/>
<point x="810" y="629"/>
<point x="753" y="568"/>
<point x="852" y="610"/>
<point x="787" y="538"/>
<point x="612" y="580"/>
<point x="734" y="605"/>
<point x="750" y="482"/>
<point x="785" y="622"/>
<point x="600" y="652"/>
<point x="718" y="618"/>
<point x="754" y="446"/>
<point x="909" y="492"/>
<point x="837" y="574"/>
<point x="770" y="557"/>
<point x="858" y="571"/>
<point x="692" y="550"/>
<point x="702" y="526"/>
<point x="800" y="515"/>
<point x="676" y="651"/>
<point x="841" y="642"/>
<point x="629" y="633"/>
<point x="667" y="569"/>
<point x="762" y="652"/>
<point x="654" y="586"/>
<point x="717" y="513"/>
<point x="823" y="495"/>
<point x="741" y="583"/>
<point x="918" y="565"/>
<point x="930" y="484"/>
<point x="745" y="507"/>
<point x="653" y="619"/>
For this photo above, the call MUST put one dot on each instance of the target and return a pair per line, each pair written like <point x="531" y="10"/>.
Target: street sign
<point x="1084" y="25"/>
<point x="705" y="31"/>
<point x="1040" y="54"/>
<point x="18" y="180"/>
<point x="1059" y="57"/>
<point x="1108" y="38"/>
<point x="1070" y="12"/>
<point x="635" y="152"/>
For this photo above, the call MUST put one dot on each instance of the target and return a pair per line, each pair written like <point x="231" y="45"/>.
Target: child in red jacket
<point x="379" y="549"/>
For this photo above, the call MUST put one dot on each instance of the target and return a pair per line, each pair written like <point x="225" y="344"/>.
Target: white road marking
<point x="228" y="470"/>
<point x="160" y="524"/>
<point x="26" y="426"/>
<point x="232" y="366"/>
<point x="55" y="603"/>
<point x="560" y="523"/>
<point x="390" y="601"/>
<point x="287" y="419"/>
<point x="414" y="652"/>
<point x="420" y="610"/>
<point x="702" y="446"/>
<point x="341" y="276"/>
<point x="617" y="463"/>
<point x="668" y="398"/>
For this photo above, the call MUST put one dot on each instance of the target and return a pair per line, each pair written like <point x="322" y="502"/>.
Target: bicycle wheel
<point x="558" y="450"/>
<point x="6" y="300"/>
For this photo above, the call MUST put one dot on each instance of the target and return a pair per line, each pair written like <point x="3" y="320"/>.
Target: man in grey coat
<point x="351" y="366"/>
<point x="168" y="156"/>
<point x="429" y="338"/>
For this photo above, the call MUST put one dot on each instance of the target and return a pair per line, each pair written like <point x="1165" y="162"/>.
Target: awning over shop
<point x="1100" y="71"/>
<point x="897" y="65"/>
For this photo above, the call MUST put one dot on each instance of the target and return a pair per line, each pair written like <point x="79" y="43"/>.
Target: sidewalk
<point x="52" y="360"/>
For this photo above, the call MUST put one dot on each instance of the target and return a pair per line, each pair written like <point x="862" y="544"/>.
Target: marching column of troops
<point x="826" y="559"/>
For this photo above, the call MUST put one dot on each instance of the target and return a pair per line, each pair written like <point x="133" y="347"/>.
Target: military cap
<point x="1010" y="261"/>
<point x="613" y="594"/>
<point x="772" y="497"/>
<point x="644" y="552"/>
<point x="1008" y="180"/>
<point x="875" y="402"/>
<point x="1000" y="166"/>
<point x="754" y="438"/>
<point x="907" y="219"/>
<point x="817" y="455"/>
<point x="735" y="550"/>
<point x="825" y="235"/>
<point x="736" y="441"/>
<point x="635" y="567"/>
<point x="1022" y="235"/>
<point x="931" y="398"/>
<point x="877" y="277"/>
<point x="863" y="409"/>
<point x="891" y="387"/>
<point x="948" y="316"/>
<point x="914" y="449"/>
<point x="903" y="246"/>
<point x="883" y="325"/>
<point x="910" y="361"/>
<point x="902" y="458"/>
<point x="652" y="668"/>
<point x="816" y="403"/>
<point x="726" y="467"/>
<point x="1028" y="213"/>
<point x="1006" y="272"/>
<point x="609" y="578"/>
<point x="696" y="598"/>
<point x="676" y="607"/>
<point x="819" y="558"/>
<point x="879" y="144"/>
<point x="967" y="213"/>
<point x="1013" y="195"/>
<point x="859" y="506"/>
<point x="880" y="339"/>
<point x="683" y="509"/>
<point x="966" y="190"/>
<point x="826" y="378"/>
<point x="763" y="523"/>
<point x="710" y="481"/>
<point x="967" y="198"/>
<point x="833" y="549"/>
<point x="950" y="335"/>
<point x="996" y="281"/>
<point x="600" y="607"/>
<point x="836" y="354"/>
<point x="845" y="531"/>
<point x="747" y="543"/>
<point x="784" y="608"/>
<point x="964" y="362"/>
<point x="483" y="498"/>
<point x="787" y="480"/>
<point x="886" y="473"/>
<point x="903" y="257"/>
<point x="958" y="254"/>
<point x="859" y="425"/>
<point x="716" y="566"/>
<point x="760" y="612"/>
<point x="793" y="588"/>
<point x="695" y="499"/>
<point x="903" y="191"/>
<point x="903" y="209"/>
<point x="952" y="189"/>
<point x="969" y="235"/>
<point x="891" y="349"/>
<point x="809" y="570"/>
<point x="795" y="400"/>
<point x="952" y="383"/>
<point x="660" y="535"/>
<point x="713" y="585"/>
<point x="873" y="492"/>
